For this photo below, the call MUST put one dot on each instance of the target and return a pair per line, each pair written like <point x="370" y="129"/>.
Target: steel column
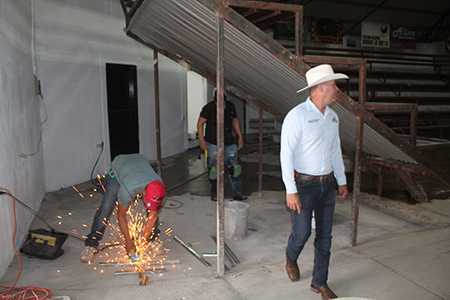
<point x="260" y="177"/>
<point x="413" y="125"/>
<point x="358" y="155"/>
<point x="356" y="181"/>
<point x="299" y="33"/>
<point x="380" y="181"/>
<point x="220" y="144"/>
<point x="157" y="112"/>
<point x="244" y="125"/>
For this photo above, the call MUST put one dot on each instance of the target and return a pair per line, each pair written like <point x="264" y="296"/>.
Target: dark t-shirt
<point x="209" y="113"/>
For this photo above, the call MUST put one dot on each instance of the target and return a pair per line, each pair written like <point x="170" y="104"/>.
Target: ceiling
<point x="430" y="18"/>
<point x="257" y="68"/>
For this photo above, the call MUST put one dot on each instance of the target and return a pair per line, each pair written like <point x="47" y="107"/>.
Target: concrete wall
<point x="197" y="98"/>
<point x="75" y="39"/>
<point x="20" y="117"/>
<point x="73" y="42"/>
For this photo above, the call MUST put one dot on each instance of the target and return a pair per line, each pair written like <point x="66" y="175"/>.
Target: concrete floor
<point x="403" y="250"/>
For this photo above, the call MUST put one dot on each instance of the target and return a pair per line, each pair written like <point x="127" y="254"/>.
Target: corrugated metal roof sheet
<point x="188" y="28"/>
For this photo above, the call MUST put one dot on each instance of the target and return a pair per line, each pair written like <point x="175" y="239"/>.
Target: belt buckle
<point x="323" y="178"/>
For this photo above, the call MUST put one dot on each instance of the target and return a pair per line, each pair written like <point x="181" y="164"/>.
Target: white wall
<point x="74" y="41"/>
<point x="196" y="99"/>
<point x="20" y="118"/>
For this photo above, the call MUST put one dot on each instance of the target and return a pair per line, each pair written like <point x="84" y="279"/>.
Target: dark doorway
<point x="121" y="86"/>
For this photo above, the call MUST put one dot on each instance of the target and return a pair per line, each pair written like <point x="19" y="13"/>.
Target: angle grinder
<point x="134" y="257"/>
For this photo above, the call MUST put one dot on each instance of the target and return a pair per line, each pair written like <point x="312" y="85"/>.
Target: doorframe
<point x="141" y="64"/>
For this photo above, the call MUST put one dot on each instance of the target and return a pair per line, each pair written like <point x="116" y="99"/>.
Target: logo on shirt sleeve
<point x="334" y="120"/>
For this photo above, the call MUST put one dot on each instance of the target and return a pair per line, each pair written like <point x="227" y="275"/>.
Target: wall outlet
<point x="37" y="86"/>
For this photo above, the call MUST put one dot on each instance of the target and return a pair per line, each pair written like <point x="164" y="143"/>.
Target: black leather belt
<point x="307" y="177"/>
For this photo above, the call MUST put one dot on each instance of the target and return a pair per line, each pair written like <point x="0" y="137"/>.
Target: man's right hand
<point x="203" y="145"/>
<point x="293" y="202"/>
<point x="129" y="245"/>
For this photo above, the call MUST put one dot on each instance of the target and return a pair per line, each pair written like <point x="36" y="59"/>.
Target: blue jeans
<point x="103" y="213"/>
<point x="318" y="197"/>
<point x="231" y="157"/>
<point x="101" y="218"/>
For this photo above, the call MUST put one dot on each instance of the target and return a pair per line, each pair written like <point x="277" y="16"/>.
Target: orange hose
<point x="27" y="292"/>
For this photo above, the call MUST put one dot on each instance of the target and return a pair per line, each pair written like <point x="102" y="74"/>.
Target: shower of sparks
<point x="147" y="251"/>
<point x="100" y="180"/>
<point x="81" y="195"/>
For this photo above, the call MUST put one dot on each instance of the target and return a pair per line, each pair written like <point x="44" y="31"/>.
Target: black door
<point x="121" y="86"/>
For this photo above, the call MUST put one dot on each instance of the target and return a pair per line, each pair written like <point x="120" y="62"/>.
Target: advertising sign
<point x="326" y="31"/>
<point x="403" y="37"/>
<point x="375" y="35"/>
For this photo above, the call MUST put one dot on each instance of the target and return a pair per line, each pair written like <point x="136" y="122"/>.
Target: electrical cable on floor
<point x="26" y="292"/>
<point x="40" y="218"/>
<point x="93" y="168"/>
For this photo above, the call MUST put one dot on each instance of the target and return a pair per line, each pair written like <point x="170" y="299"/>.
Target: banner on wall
<point x="403" y="37"/>
<point x="375" y="35"/>
<point x="326" y="31"/>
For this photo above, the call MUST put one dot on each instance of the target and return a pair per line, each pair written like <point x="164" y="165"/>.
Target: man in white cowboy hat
<point x="311" y="160"/>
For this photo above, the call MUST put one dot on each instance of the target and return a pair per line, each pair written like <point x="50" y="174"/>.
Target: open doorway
<point x="121" y="86"/>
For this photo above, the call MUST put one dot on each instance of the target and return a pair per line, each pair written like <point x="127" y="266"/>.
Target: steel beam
<point x="157" y="111"/>
<point x="416" y="190"/>
<point x="400" y="166"/>
<point x="264" y="5"/>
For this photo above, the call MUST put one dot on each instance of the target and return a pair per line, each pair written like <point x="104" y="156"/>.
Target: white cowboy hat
<point x="321" y="74"/>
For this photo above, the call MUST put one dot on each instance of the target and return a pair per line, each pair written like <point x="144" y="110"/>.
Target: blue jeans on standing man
<point x="231" y="157"/>
<point x="318" y="197"/>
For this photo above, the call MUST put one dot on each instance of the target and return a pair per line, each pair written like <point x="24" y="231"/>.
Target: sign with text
<point x="326" y="31"/>
<point x="403" y="37"/>
<point x="375" y="35"/>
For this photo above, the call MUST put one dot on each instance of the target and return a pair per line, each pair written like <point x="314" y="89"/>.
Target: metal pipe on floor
<point x="192" y="251"/>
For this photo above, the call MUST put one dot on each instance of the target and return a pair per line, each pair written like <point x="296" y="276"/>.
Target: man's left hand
<point x="342" y="192"/>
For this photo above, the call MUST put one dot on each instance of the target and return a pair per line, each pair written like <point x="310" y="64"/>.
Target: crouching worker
<point x="131" y="175"/>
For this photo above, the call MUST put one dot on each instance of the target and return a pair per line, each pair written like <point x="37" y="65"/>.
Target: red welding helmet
<point x="155" y="192"/>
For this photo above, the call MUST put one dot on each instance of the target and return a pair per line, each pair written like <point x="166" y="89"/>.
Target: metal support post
<point x="157" y="113"/>
<point x="358" y="155"/>
<point x="220" y="145"/>
<point x="260" y="177"/>
<point x="299" y="33"/>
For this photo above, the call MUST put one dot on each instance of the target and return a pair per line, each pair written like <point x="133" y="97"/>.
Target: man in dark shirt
<point x="208" y="142"/>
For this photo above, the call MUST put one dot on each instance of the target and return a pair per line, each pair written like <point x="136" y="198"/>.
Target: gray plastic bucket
<point x="236" y="219"/>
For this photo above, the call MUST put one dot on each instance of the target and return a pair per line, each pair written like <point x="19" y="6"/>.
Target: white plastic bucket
<point x="236" y="219"/>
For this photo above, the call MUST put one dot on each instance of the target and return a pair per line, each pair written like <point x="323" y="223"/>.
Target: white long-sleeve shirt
<point x="310" y="144"/>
